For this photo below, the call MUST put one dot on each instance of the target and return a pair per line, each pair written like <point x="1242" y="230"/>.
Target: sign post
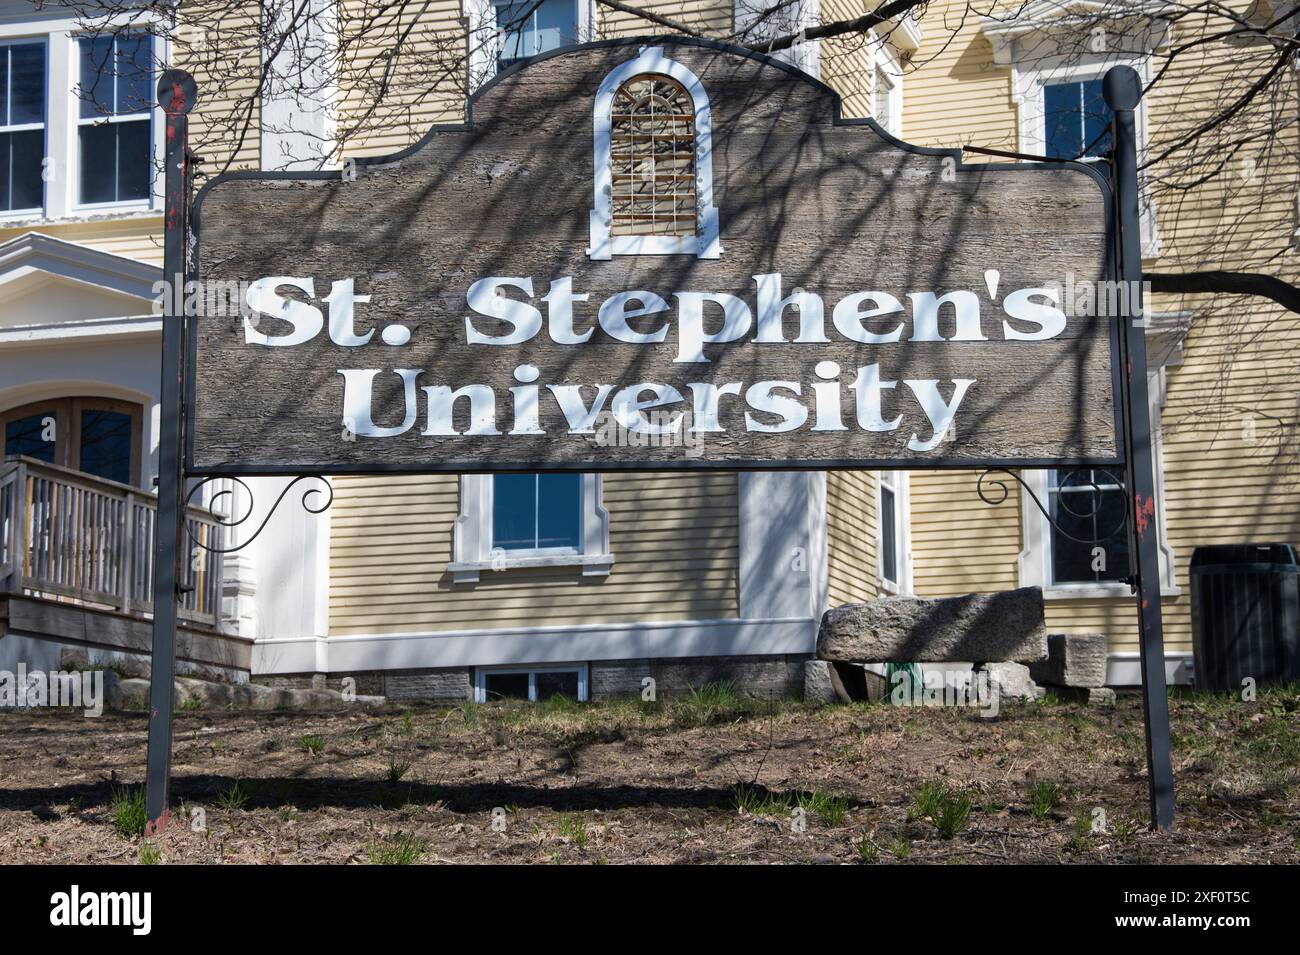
<point x="1122" y="88"/>
<point x="176" y="95"/>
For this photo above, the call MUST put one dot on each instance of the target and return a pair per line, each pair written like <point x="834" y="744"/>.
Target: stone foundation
<point x="759" y="676"/>
<point x="435" y="685"/>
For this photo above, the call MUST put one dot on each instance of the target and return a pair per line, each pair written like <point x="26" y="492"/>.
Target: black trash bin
<point x="1245" y="615"/>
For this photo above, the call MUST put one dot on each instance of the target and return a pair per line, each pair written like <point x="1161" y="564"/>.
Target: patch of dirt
<point x="712" y="778"/>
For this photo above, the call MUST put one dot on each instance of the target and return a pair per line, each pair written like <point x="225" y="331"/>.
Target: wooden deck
<point x="76" y="566"/>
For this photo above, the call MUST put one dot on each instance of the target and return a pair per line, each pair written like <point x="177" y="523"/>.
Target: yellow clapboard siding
<point x="673" y="536"/>
<point x="1223" y="481"/>
<point x="851" y="544"/>
<point x="710" y="17"/>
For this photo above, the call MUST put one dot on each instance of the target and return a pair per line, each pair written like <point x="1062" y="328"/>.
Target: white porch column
<point x="301" y="93"/>
<point x="783" y="546"/>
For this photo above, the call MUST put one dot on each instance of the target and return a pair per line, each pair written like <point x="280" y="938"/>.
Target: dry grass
<point x="713" y="777"/>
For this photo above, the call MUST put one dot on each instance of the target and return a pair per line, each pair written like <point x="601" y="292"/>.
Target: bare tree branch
<point x="882" y="14"/>
<point x="654" y="18"/>
<point x="1227" y="283"/>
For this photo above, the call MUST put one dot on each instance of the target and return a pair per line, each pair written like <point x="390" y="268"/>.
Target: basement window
<point x="531" y="683"/>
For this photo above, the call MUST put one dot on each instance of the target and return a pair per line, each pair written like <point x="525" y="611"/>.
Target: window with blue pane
<point x="528" y="28"/>
<point x="114" y="132"/>
<point x="22" y="126"/>
<point x="1076" y="120"/>
<point x="99" y="436"/>
<point x="537" y="512"/>
<point x="34" y="436"/>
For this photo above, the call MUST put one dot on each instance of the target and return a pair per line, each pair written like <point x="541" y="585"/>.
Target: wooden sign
<point x="653" y="254"/>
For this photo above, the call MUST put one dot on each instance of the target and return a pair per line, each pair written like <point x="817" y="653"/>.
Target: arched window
<point x="653" y="162"/>
<point x="652" y="158"/>
<point x="99" y="436"/>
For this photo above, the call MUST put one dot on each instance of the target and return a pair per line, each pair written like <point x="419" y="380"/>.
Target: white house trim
<point x="37" y="252"/>
<point x="524" y="646"/>
<point x="782" y="543"/>
<point x="62" y="178"/>
<point x="483" y="41"/>
<point x="472" y="552"/>
<point x="905" y="33"/>
<point x="299" y="103"/>
<point x="900" y="483"/>
<point x="1057" y="41"/>
<point x="782" y="20"/>
<point x="1140" y="25"/>
<point x="705" y="243"/>
<point x="88" y="330"/>
<point x="1035" y="558"/>
<point x="885" y="59"/>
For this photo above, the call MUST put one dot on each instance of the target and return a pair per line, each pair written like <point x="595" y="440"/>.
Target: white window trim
<point x="804" y="55"/>
<point x="62" y="115"/>
<point x="144" y="115"/>
<point x="472" y="552"/>
<point x="1035" y="559"/>
<point x="481" y="674"/>
<point x="705" y="243"/>
<point x="900" y="483"/>
<point x="884" y="59"/>
<point x="483" y="43"/>
<point x="1035" y="69"/>
<point x="43" y="126"/>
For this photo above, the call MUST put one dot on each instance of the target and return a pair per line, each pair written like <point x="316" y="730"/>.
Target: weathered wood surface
<point x="51" y="619"/>
<point x="834" y="208"/>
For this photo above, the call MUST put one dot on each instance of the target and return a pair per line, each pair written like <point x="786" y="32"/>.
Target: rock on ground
<point x="1073" y="659"/>
<point x="1006" y="626"/>
<point x="817" y="686"/>
<point x="133" y="694"/>
<point x="1009" y="682"/>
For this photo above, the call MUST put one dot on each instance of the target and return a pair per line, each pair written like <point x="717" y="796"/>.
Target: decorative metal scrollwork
<point x="235" y="521"/>
<point x="1002" y="491"/>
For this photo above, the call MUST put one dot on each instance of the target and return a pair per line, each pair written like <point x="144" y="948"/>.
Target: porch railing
<point x="78" y="538"/>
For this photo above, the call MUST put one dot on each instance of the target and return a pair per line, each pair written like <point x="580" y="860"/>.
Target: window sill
<point x="81" y="215"/>
<point x="468" y="571"/>
<point x="1099" y="592"/>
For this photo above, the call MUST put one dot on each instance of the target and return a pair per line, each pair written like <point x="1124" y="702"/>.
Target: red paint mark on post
<point x="155" y="826"/>
<point x="1145" y="510"/>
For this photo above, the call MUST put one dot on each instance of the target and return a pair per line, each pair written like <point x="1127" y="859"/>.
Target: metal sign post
<point x="176" y="95"/>
<point x="1123" y="89"/>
